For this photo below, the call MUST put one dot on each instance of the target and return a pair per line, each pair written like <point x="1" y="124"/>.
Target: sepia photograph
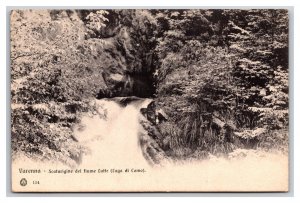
<point x="149" y="100"/>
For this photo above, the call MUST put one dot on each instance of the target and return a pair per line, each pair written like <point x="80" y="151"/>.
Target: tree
<point x="258" y="47"/>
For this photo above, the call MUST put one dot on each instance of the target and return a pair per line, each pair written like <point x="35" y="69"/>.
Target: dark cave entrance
<point x="141" y="84"/>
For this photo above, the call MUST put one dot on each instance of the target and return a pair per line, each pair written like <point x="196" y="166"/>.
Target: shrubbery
<point x="229" y="74"/>
<point x="216" y="73"/>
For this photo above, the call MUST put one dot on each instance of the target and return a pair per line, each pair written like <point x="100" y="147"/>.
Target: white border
<point x="144" y="3"/>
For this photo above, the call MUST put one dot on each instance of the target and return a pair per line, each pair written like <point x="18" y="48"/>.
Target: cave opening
<point x="138" y="84"/>
<point x="143" y="85"/>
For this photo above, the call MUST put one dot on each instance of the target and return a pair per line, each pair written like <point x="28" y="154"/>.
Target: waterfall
<point x="112" y="140"/>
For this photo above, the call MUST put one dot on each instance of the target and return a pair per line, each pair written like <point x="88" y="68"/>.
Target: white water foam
<point x="113" y="142"/>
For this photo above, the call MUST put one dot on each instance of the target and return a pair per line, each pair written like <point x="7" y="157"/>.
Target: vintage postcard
<point x="149" y="100"/>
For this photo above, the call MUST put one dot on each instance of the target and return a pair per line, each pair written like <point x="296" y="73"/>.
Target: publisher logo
<point x="23" y="182"/>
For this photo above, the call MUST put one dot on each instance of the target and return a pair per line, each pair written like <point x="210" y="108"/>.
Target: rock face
<point x="149" y="139"/>
<point x="129" y="61"/>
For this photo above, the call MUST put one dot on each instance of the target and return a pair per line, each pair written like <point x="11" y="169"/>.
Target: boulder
<point x="161" y="116"/>
<point x="154" y="115"/>
<point x="149" y="112"/>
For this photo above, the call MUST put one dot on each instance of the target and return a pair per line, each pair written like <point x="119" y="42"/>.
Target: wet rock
<point x="161" y="116"/>
<point x="149" y="139"/>
<point x="154" y="115"/>
<point x="124" y="101"/>
<point x="149" y="112"/>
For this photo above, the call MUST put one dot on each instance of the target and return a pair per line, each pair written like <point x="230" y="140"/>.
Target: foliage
<point x="52" y="81"/>
<point x="215" y="73"/>
<point x="258" y="43"/>
<point x="58" y="59"/>
<point x="96" y="21"/>
<point x="242" y="81"/>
